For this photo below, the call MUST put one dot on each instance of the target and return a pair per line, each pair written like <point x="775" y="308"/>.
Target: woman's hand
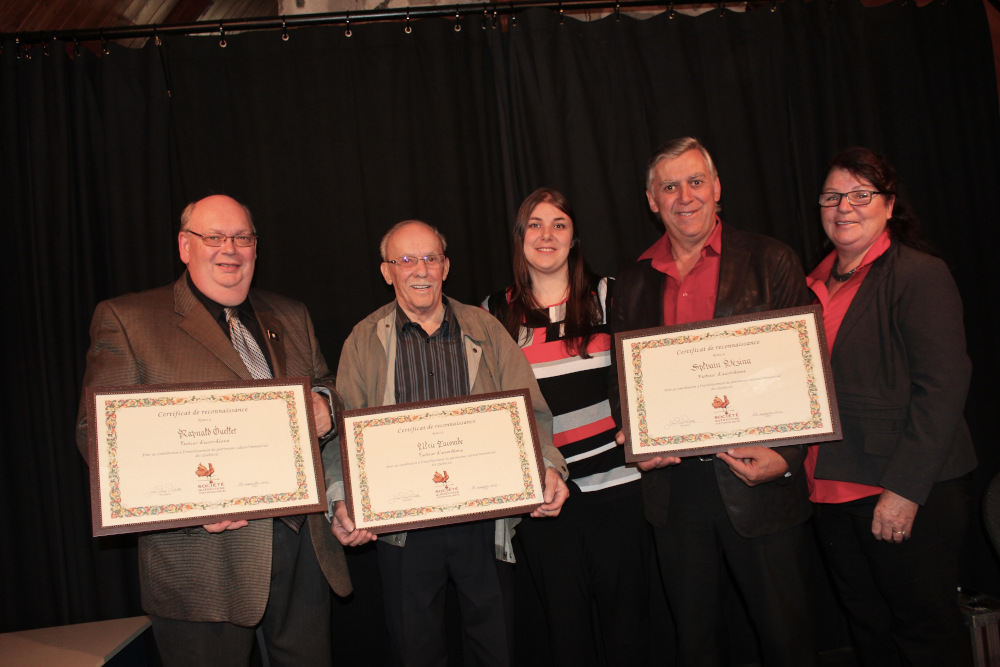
<point x="893" y="519"/>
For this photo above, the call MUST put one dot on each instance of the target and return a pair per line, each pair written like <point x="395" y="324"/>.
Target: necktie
<point x="247" y="346"/>
<point x="256" y="363"/>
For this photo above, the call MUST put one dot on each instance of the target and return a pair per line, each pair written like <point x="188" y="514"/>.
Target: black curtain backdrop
<point x="331" y="139"/>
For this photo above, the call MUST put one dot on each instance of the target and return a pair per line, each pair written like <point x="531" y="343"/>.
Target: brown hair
<point x="583" y="311"/>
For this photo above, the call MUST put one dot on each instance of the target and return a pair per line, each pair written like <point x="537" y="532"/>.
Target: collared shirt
<point x="430" y="367"/>
<point x="691" y="299"/>
<point x="834" y="311"/>
<point x="247" y="317"/>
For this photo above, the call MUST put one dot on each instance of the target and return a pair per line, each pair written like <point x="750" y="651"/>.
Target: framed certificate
<point x="761" y="379"/>
<point x="171" y="456"/>
<point x="440" y="462"/>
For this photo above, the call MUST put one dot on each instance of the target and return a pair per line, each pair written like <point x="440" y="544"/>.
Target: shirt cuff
<point x="334" y="492"/>
<point x="324" y="438"/>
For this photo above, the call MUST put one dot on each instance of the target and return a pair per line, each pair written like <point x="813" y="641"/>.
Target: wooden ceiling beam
<point x="187" y="11"/>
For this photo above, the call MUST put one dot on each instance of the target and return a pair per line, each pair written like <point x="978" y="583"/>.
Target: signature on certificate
<point x="403" y="496"/>
<point x="681" y="420"/>
<point x="162" y="490"/>
<point x="484" y="487"/>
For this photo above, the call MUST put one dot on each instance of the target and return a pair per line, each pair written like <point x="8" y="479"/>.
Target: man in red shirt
<point x="745" y="509"/>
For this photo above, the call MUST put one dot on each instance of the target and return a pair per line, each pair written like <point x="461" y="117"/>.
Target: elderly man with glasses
<point x="424" y="346"/>
<point x="209" y="589"/>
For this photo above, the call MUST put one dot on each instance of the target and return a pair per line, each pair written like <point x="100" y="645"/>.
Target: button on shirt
<point x="686" y="301"/>
<point x="693" y="299"/>
<point x="430" y="367"/>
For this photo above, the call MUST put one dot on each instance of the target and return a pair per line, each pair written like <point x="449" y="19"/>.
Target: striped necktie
<point x="247" y="346"/>
<point x="253" y="357"/>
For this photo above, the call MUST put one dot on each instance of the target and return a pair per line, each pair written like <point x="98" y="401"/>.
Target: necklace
<point x="842" y="277"/>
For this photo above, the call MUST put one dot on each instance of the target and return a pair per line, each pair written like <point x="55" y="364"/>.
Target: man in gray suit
<point x="209" y="588"/>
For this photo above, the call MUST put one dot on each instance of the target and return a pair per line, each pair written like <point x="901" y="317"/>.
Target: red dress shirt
<point x="691" y="299"/>
<point x="834" y="310"/>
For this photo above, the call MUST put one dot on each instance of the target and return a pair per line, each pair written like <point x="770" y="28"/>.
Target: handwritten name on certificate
<point x="709" y="386"/>
<point x="439" y="462"/>
<point x="190" y="455"/>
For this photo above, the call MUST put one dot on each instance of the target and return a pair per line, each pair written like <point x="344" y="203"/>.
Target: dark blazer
<point x="166" y="335"/>
<point x="902" y="375"/>
<point x="756" y="273"/>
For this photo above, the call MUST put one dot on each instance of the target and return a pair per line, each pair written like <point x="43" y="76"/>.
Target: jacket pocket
<point x="881" y="435"/>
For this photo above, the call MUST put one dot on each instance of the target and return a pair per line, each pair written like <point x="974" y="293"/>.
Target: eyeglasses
<point x="856" y="197"/>
<point x="410" y="262"/>
<point x="218" y="240"/>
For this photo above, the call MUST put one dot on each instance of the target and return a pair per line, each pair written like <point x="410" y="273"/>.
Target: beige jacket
<point x="366" y="378"/>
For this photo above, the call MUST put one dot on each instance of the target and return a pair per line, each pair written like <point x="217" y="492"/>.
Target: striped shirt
<point x="576" y="390"/>
<point x="430" y="367"/>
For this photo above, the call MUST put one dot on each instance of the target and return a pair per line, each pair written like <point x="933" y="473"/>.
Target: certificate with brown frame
<point x="432" y="463"/>
<point x="179" y="455"/>
<point x="761" y="379"/>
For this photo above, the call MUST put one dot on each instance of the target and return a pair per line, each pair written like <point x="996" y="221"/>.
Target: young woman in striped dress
<point x="595" y="555"/>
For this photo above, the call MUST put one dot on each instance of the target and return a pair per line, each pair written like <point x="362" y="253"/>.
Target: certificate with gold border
<point x="701" y="388"/>
<point x="179" y="455"/>
<point x="432" y="463"/>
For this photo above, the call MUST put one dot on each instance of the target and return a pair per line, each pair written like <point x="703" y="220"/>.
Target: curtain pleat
<point x="331" y="139"/>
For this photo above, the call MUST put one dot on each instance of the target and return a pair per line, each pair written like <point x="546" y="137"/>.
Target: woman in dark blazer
<point x="892" y="498"/>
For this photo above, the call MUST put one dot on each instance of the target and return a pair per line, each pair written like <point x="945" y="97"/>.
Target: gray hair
<point x="383" y="246"/>
<point x="189" y="211"/>
<point x="674" y="149"/>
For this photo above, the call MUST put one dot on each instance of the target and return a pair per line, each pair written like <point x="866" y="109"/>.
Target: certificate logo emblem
<point x="202" y="471"/>
<point x="213" y="486"/>
<point x="446" y="490"/>
<point x="728" y="416"/>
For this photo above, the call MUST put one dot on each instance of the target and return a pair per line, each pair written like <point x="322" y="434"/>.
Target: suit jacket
<point x="902" y="375"/>
<point x="167" y="335"/>
<point x="756" y="273"/>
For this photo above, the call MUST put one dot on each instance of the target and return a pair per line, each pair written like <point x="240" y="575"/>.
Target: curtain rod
<point x="488" y="11"/>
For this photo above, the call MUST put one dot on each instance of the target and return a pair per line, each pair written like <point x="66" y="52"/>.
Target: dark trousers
<point x="415" y="580"/>
<point x="595" y="553"/>
<point x="295" y="626"/>
<point x="694" y="549"/>
<point x="900" y="599"/>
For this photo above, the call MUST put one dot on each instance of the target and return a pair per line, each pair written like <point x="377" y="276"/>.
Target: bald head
<point x="418" y="283"/>
<point x="222" y="273"/>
